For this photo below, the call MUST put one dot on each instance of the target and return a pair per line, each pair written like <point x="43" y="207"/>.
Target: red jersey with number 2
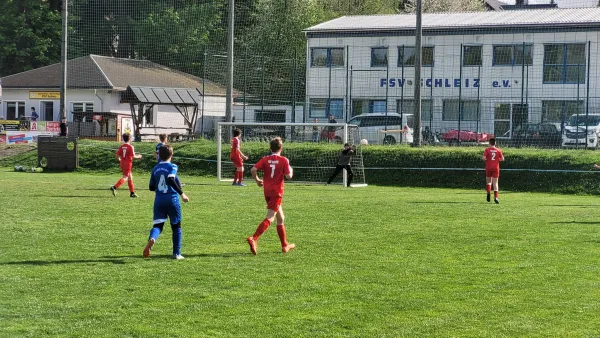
<point x="125" y="153"/>
<point x="235" y="148"/>
<point x="274" y="169"/>
<point x="493" y="156"/>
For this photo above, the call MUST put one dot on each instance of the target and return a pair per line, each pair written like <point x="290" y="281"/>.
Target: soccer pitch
<point x="370" y="262"/>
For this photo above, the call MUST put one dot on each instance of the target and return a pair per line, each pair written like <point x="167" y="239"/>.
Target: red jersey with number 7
<point x="274" y="168"/>
<point x="125" y="153"/>
<point x="492" y="156"/>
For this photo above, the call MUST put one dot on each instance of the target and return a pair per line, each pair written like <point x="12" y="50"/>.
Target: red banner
<point x="53" y="127"/>
<point x="2" y="139"/>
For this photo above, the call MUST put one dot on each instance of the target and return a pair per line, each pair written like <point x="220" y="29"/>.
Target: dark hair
<point x="33" y="108"/>
<point x="237" y="132"/>
<point x="162" y="137"/>
<point x="276" y="144"/>
<point x="126" y="137"/>
<point x="492" y="141"/>
<point x="346" y="145"/>
<point x="165" y="152"/>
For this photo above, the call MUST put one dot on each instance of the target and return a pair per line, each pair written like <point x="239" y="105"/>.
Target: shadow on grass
<point x="76" y="196"/>
<point x="574" y="222"/>
<point x="440" y="202"/>
<point x="61" y="262"/>
<point x="221" y="255"/>
<point x="571" y="205"/>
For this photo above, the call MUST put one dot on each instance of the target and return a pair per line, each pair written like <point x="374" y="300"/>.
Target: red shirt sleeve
<point x="486" y="153"/>
<point x="501" y="155"/>
<point x="260" y="164"/>
<point x="286" y="170"/>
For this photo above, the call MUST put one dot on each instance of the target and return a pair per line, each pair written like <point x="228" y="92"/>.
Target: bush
<point x="451" y="167"/>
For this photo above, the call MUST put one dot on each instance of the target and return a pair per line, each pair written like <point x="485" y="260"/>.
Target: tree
<point x="29" y="35"/>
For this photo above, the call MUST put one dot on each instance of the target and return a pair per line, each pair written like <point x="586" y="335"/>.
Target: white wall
<point x="250" y="111"/>
<point x="497" y="83"/>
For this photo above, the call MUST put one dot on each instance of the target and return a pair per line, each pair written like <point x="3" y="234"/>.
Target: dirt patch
<point x="12" y="150"/>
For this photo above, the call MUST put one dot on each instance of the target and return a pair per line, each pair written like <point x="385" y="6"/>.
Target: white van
<point x="581" y="130"/>
<point x="384" y="129"/>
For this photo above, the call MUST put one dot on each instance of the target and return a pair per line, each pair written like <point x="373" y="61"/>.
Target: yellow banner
<point x="44" y="95"/>
<point x="9" y="122"/>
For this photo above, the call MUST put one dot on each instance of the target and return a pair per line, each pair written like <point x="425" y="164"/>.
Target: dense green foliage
<point x="387" y="262"/>
<point x="524" y="169"/>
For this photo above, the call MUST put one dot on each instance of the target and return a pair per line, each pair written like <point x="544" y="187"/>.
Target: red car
<point x="465" y="136"/>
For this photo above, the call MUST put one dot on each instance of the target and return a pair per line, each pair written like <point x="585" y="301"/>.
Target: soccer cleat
<point x="252" y="244"/>
<point x="288" y="247"/>
<point x="234" y="183"/>
<point x="148" y="247"/>
<point x="178" y="257"/>
<point x="488" y="197"/>
<point x="113" y="190"/>
<point x="241" y="185"/>
<point x="133" y="195"/>
<point x="497" y="201"/>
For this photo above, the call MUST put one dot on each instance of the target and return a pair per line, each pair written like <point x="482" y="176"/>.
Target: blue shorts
<point x="167" y="207"/>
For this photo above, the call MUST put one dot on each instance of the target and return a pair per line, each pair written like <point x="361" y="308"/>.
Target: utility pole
<point x="63" y="58"/>
<point x="230" y="36"/>
<point x="418" y="64"/>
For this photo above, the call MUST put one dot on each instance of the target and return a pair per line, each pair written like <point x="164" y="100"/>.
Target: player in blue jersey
<point x="165" y="183"/>
<point x="163" y="141"/>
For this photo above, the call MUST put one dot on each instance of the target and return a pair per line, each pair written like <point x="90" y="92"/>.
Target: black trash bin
<point x="58" y="153"/>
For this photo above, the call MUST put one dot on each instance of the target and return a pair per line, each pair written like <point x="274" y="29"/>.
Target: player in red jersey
<point x="125" y="154"/>
<point x="275" y="169"/>
<point x="492" y="157"/>
<point x="238" y="158"/>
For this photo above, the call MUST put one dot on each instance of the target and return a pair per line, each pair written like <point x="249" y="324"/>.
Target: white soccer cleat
<point x="178" y="257"/>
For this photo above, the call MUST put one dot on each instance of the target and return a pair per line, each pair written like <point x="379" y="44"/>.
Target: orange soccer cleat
<point x="252" y="243"/>
<point x="148" y="247"/>
<point x="288" y="247"/>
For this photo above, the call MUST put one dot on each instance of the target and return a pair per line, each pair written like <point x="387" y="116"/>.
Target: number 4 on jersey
<point x="162" y="185"/>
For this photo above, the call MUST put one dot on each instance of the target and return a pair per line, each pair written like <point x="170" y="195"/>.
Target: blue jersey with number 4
<point x="160" y="174"/>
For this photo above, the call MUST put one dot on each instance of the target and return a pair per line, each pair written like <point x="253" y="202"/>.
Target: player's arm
<point x="137" y="156"/>
<point x="172" y="182"/>
<point x="596" y="166"/>
<point x="118" y="155"/>
<point x="289" y="172"/>
<point x="152" y="185"/>
<point x="254" y="172"/>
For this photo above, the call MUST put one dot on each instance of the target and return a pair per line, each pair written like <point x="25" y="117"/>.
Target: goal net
<point x="312" y="148"/>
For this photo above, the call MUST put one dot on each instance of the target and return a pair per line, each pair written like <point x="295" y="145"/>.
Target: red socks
<point x="495" y="194"/>
<point x="119" y="183"/>
<point x="488" y="188"/>
<point x="238" y="176"/>
<point x="262" y="227"/>
<point x="281" y="234"/>
<point x="130" y="184"/>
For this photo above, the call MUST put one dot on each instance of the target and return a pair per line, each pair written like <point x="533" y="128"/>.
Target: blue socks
<point x="177" y="234"/>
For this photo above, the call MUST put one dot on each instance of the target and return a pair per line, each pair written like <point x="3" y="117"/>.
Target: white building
<point x="486" y="71"/>
<point x="97" y="87"/>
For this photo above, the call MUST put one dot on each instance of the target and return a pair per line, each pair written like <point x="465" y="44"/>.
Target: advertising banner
<point x="53" y="127"/>
<point x="24" y="137"/>
<point x="44" y="95"/>
<point x="6" y="125"/>
<point x="2" y="139"/>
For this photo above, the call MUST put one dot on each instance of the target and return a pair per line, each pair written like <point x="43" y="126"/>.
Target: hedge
<point x="384" y="165"/>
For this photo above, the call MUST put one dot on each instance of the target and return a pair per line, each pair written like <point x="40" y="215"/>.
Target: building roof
<point x="163" y="96"/>
<point x="541" y="18"/>
<point x="100" y="72"/>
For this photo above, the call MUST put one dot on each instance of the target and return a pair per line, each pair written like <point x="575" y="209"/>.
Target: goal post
<point x="312" y="148"/>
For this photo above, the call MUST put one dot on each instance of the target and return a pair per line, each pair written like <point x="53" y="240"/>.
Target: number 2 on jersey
<point x="272" y="170"/>
<point x="162" y="185"/>
<point x="493" y="156"/>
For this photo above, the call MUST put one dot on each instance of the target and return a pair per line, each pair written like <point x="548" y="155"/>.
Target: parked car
<point x="452" y="136"/>
<point x="582" y="130"/>
<point x="381" y="128"/>
<point x="537" y="134"/>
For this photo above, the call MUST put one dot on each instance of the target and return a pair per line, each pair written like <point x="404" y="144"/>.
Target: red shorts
<point x="493" y="173"/>
<point x="273" y="202"/>
<point x="237" y="161"/>
<point x="126" y="168"/>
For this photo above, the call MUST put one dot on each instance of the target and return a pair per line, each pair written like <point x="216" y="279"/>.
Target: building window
<point x="513" y="55"/>
<point x="472" y="56"/>
<point x="406" y="56"/>
<point x="408" y="107"/>
<point x="368" y="107"/>
<point x="453" y="111"/>
<point x="558" y="111"/>
<point x="564" y="63"/>
<point x="379" y="57"/>
<point x="15" y="110"/>
<point x="87" y="107"/>
<point x="327" y="57"/>
<point x="322" y="108"/>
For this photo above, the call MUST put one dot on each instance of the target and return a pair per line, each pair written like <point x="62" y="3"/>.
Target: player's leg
<point x="159" y="219"/>
<point x="120" y="182"/>
<point x="488" y="184"/>
<point x="285" y="246"/>
<point x="350" y="174"/>
<point x="240" y="175"/>
<point x="175" y="218"/>
<point x="131" y="186"/>
<point x="495" y="185"/>
<point x="337" y="170"/>
<point x="263" y="226"/>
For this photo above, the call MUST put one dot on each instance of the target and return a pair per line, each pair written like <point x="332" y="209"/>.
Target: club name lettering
<point x="273" y="162"/>
<point x="442" y="83"/>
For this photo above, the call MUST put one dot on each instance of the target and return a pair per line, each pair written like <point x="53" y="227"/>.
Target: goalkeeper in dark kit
<point x="344" y="163"/>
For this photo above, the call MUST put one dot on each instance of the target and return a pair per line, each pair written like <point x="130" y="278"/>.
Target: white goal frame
<point x="220" y="125"/>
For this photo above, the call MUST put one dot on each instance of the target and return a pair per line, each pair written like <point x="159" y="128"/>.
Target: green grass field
<point x="370" y="262"/>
